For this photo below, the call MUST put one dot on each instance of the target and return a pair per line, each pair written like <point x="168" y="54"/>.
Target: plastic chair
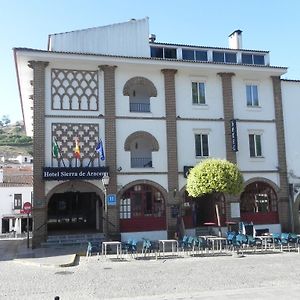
<point x="130" y="247"/>
<point x="200" y="243"/>
<point x="285" y="240"/>
<point x="295" y="240"/>
<point x="239" y="241"/>
<point x="230" y="236"/>
<point x="149" y="246"/>
<point x="92" y="248"/>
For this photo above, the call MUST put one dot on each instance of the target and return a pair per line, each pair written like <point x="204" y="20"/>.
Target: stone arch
<point x="143" y="181"/>
<point x="75" y="185"/>
<point x="262" y="179"/>
<point x="140" y="81"/>
<point x="141" y="135"/>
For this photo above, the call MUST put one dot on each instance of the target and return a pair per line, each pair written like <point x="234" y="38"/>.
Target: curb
<point x="60" y="261"/>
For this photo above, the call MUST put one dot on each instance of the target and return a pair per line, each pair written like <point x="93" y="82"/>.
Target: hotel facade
<point x="158" y="109"/>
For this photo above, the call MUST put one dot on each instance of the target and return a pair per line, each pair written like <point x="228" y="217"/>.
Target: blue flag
<point x="100" y="150"/>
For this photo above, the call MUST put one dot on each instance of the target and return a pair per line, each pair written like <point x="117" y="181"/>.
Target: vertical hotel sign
<point x="234" y="141"/>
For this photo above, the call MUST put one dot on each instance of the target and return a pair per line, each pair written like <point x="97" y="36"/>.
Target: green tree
<point x="5" y="120"/>
<point x="214" y="176"/>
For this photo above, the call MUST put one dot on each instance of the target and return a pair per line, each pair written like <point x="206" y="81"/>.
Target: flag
<point x="100" y="150"/>
<point x="55" y="149"/>
<point x="77" y="150"/>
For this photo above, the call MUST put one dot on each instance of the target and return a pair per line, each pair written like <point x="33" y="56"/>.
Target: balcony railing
<point x="139" y="107"/>
<point x="141" y="162"/>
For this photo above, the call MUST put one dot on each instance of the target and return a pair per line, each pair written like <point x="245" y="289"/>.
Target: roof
<point x="145" y="58"/>
<point x="17" y="176"/>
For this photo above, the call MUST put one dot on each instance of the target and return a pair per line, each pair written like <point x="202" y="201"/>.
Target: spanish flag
<point x="77" y="150"/>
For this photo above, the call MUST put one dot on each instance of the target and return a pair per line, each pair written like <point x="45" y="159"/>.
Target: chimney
<point x="235" y="40"/>
<point x="152" y="38"/>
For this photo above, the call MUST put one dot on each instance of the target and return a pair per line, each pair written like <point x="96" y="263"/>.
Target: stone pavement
<point x="16" y="249"/>
<point x="254" y="276"/>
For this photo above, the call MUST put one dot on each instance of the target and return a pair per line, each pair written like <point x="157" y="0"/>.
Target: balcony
<point x="139" y="107"/>
<point x="141" y="162"/>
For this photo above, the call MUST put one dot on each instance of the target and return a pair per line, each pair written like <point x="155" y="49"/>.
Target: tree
<point x="5" y="120"/>
<point x="214" y="176"/>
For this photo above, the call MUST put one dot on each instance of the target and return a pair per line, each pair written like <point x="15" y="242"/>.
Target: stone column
<point x="171" y="132"/>
<point x="226" y="79"/>
<point x="39" y="212"/>
<point x="228" y="113"/>
<point x="283" y="195"/>
<point x="110" y="144"/>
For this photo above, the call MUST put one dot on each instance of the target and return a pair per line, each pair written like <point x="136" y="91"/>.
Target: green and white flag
<point x="55" y="149"/>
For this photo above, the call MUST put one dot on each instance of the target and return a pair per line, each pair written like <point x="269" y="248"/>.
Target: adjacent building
<point x="112" y="101"/>
<point x="15" y="190"/>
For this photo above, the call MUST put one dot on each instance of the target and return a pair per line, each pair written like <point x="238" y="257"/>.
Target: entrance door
<point x="72" y="211"/>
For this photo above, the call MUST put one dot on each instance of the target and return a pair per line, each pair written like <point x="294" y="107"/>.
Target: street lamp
<point x="105" y="182"/>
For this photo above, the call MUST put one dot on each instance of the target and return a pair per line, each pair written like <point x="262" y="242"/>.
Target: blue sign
<point x="234" y="138"/>
<point x="111" y="199"/>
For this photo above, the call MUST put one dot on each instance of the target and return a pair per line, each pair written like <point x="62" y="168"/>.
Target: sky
<point x="269" y="25"/>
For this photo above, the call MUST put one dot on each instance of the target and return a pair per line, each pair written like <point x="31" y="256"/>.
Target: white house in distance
<point x="15" y="190"/>
<point x="158" y="109"/>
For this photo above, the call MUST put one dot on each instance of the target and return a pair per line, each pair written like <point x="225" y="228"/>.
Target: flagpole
<point x="91" y="158"/>
<point x="62" y="159"/>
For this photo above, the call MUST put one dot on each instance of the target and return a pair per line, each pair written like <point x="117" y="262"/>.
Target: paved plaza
<point x="254" y="276"/>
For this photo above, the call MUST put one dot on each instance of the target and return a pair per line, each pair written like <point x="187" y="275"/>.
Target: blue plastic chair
<point x="92" y="248"/>
<point x="239" y="241"/>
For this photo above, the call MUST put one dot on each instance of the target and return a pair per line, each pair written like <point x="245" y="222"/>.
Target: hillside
<point x="13" y="140"/>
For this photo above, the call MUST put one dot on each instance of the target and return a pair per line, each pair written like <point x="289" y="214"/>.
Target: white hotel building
<point x="159" y="109"/>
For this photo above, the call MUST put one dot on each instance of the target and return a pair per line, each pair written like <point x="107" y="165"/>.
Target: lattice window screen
<point x="74" y="90"/>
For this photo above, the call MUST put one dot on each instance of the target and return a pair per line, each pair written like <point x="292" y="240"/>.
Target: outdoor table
<point x="172" y="242"/>
<point x="264" y="241"/>
<point x="216" y="242"/>
<point x="112" y="243"/>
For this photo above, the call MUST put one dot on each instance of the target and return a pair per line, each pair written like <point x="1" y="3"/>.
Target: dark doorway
<point x="71" y="212"/>
<point x="201" y="210"/>
<point x="5" y="225"/>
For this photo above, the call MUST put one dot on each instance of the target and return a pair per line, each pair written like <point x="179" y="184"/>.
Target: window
<point x="229" y="57"/>
<point x="255" y="145"/>
<point x="125" y="209"/>
<point x="139" y="100"/>
<point x="258" y="197"/>
<point x="17" y="201"/>
<point x="259" y="59"/>
<point x="170" y="53"/>
<point x="162" y="52"/>
<point x="251" y="59"/>
<point x="218" y="56"/>
<point x="156" y="52"/>
<point x="247" y="58"/>
<point x="201" y="55"/>
<point x="252" y="95"/>
<point x="201" y="145"/>
<point x="198" y="91"/>
<point x="188" y="54"/>
<point x="142" y="201"/>
<point x="198" y="55"/>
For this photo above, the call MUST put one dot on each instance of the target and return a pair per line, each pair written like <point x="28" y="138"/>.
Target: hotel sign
<point x="234" y="141"/>
<point x="50" y="173"/>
